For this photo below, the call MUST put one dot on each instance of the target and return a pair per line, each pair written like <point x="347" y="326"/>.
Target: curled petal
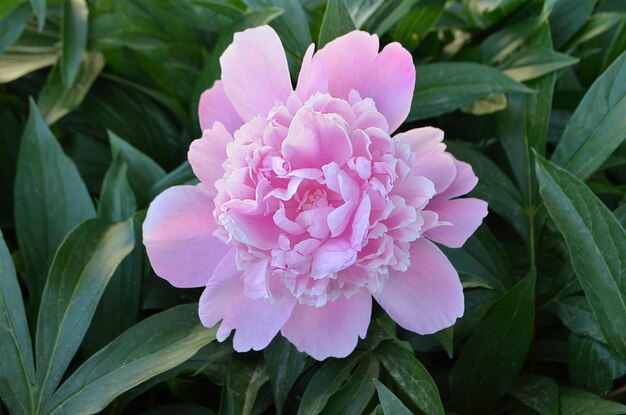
<point x="215" y="106"/>
<point x="207" y="154"/>
<point x="465" y="215"/>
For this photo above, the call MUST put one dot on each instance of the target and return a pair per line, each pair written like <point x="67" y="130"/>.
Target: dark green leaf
<point x="354" y="396"/>
<point x="55" y="100"/>
<point x="361" y="10"/>
<point x="182" y="174"/>
<point x="598" y="126"/>
<point x="117" y="202"/>
<point x="591" y="364"/>
<point x="445" y="87"/>
<point x="494" y="354"/>
<point x="243" y="381"/>
<point x="394" y="16"/>
<point x="597" y="246"/>
<point x="50" y="199"/>
<point x="12" y="26"/>
<point x="179" y="409"/>
<point x="74" y="39"/>
<point x="78" y="276"/>
<point x="284" y="365"/>
<point x="149" y="348"/>
<point x="337" y="21"/>
<point x="389" y="402"/>
<point x="411" y="375"/>
<point x="597" y="24"/>
<point x="566" y="17"/>
<point x="17" y="370"/>
<point x="534" y="63"/>
<point x="575" y="313"/>
<point x="39" y="8"/>
<point x="537" y="392"/>
<point x="143" y="172"/>
<point x="576" y="402"/>
<point x="326" y="381"/>
<point x="417" y="24"/>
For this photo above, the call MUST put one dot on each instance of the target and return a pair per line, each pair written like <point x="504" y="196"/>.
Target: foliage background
<point x="98" y="106"/>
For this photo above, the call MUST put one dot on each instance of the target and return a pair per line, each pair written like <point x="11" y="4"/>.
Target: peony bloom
<point x="307" y="207"/>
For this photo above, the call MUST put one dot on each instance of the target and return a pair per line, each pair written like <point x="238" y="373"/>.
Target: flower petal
<point x="255" y="72"/>
<point x="178" y="236"/>
<point x="215" y="106"/>
<point x="391" y="82"/>
<point x="207" y="154"/>
<point x="314" y="140"/>
<point x="313" y="76"/>
<point x="332" y="330"/>
<point x="427" y="297"/>
<point x="255" y="322"/>
<point x="463" y="183"/>
<point x="465" y="215"/>
<point x="348" y="59"/>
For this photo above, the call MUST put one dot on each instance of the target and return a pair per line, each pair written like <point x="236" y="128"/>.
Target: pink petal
<point x="391" y="82"/>
<point x="178" y="236"/>
<point x="426" y="298"/>
<point x="332" y="330"/>
<point x="423" y="140"/>
<point x="255" y="72"/>
<point x="313" y="76"/>
<point x="463" y="183"/>
<point x="255" y="322"/>
<point x="333" y="256"/>
<point x="465" y="215"/>
<point x="314" y="140"/>
<point x="215" y="106"/>
<point x="348" y="59"/>
<point x="207" y="154"/>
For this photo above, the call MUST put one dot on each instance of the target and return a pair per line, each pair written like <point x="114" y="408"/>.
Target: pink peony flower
<point x="307" y="207"/>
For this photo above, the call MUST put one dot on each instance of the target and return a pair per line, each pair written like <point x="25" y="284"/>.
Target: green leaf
<point x="597" y="24"/>
<point x="17" y="371"/>
<point x="537" y="392"/>
<point x="55" y="100"/>
<point x="179" y="409"/>
<point x="494" y="354"/>
<point x="14" y="65"/>
<point x="389" y="402"/>
<point x="182" y="174"/>
<point x="354" y="396"/>
<point x="117" y="202"/>
<point x="78" y="276"/>
<point x="151" y="347"/>
<point x="12" y="26"/>
<point x="444" y="87"/>
<point x="591" y="364"/>
<point x="74" y="29"/>
<point x="411" y="375"/>
<point x="8" y="6"/>
<point x="576" y="402"/>
<point x="396" y="14"/>
<point x="598" y="125"/>
<point x="337" y="21"/>
<point x="326" y="381"/>
<point x="415" y="25"/>
<point x="284" y="365"/>
<point x="575" y="313"/>
<point x="597" y="246"/>
<point x="244" y="379"/>
<point x="534" y="63"/>
<point x="143" y="172"/>
<point x="39" y="8"/>
<point x="50" y="199"/>
<point x="567" y="17"/>
<point x="361" y="10"/>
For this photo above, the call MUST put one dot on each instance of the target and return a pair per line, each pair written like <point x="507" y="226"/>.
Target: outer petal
<point x="207" y="154"/>
<point x="255" y="322"/>
<point x="463" y="183"/>
<point x="178" y="236"/>
<point x="465" y="215"/>
<point x="255" y="72"/>
<point x="215" y="106"/>
<point x="391" y="82"/>
<point x="313" y="76"/>
<point x="332" y="330"/>
<point x="348" y="59"/>
<point x="426" y="298"/>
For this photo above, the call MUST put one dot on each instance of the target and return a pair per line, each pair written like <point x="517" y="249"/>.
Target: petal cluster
<point x="307" y="207"/>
